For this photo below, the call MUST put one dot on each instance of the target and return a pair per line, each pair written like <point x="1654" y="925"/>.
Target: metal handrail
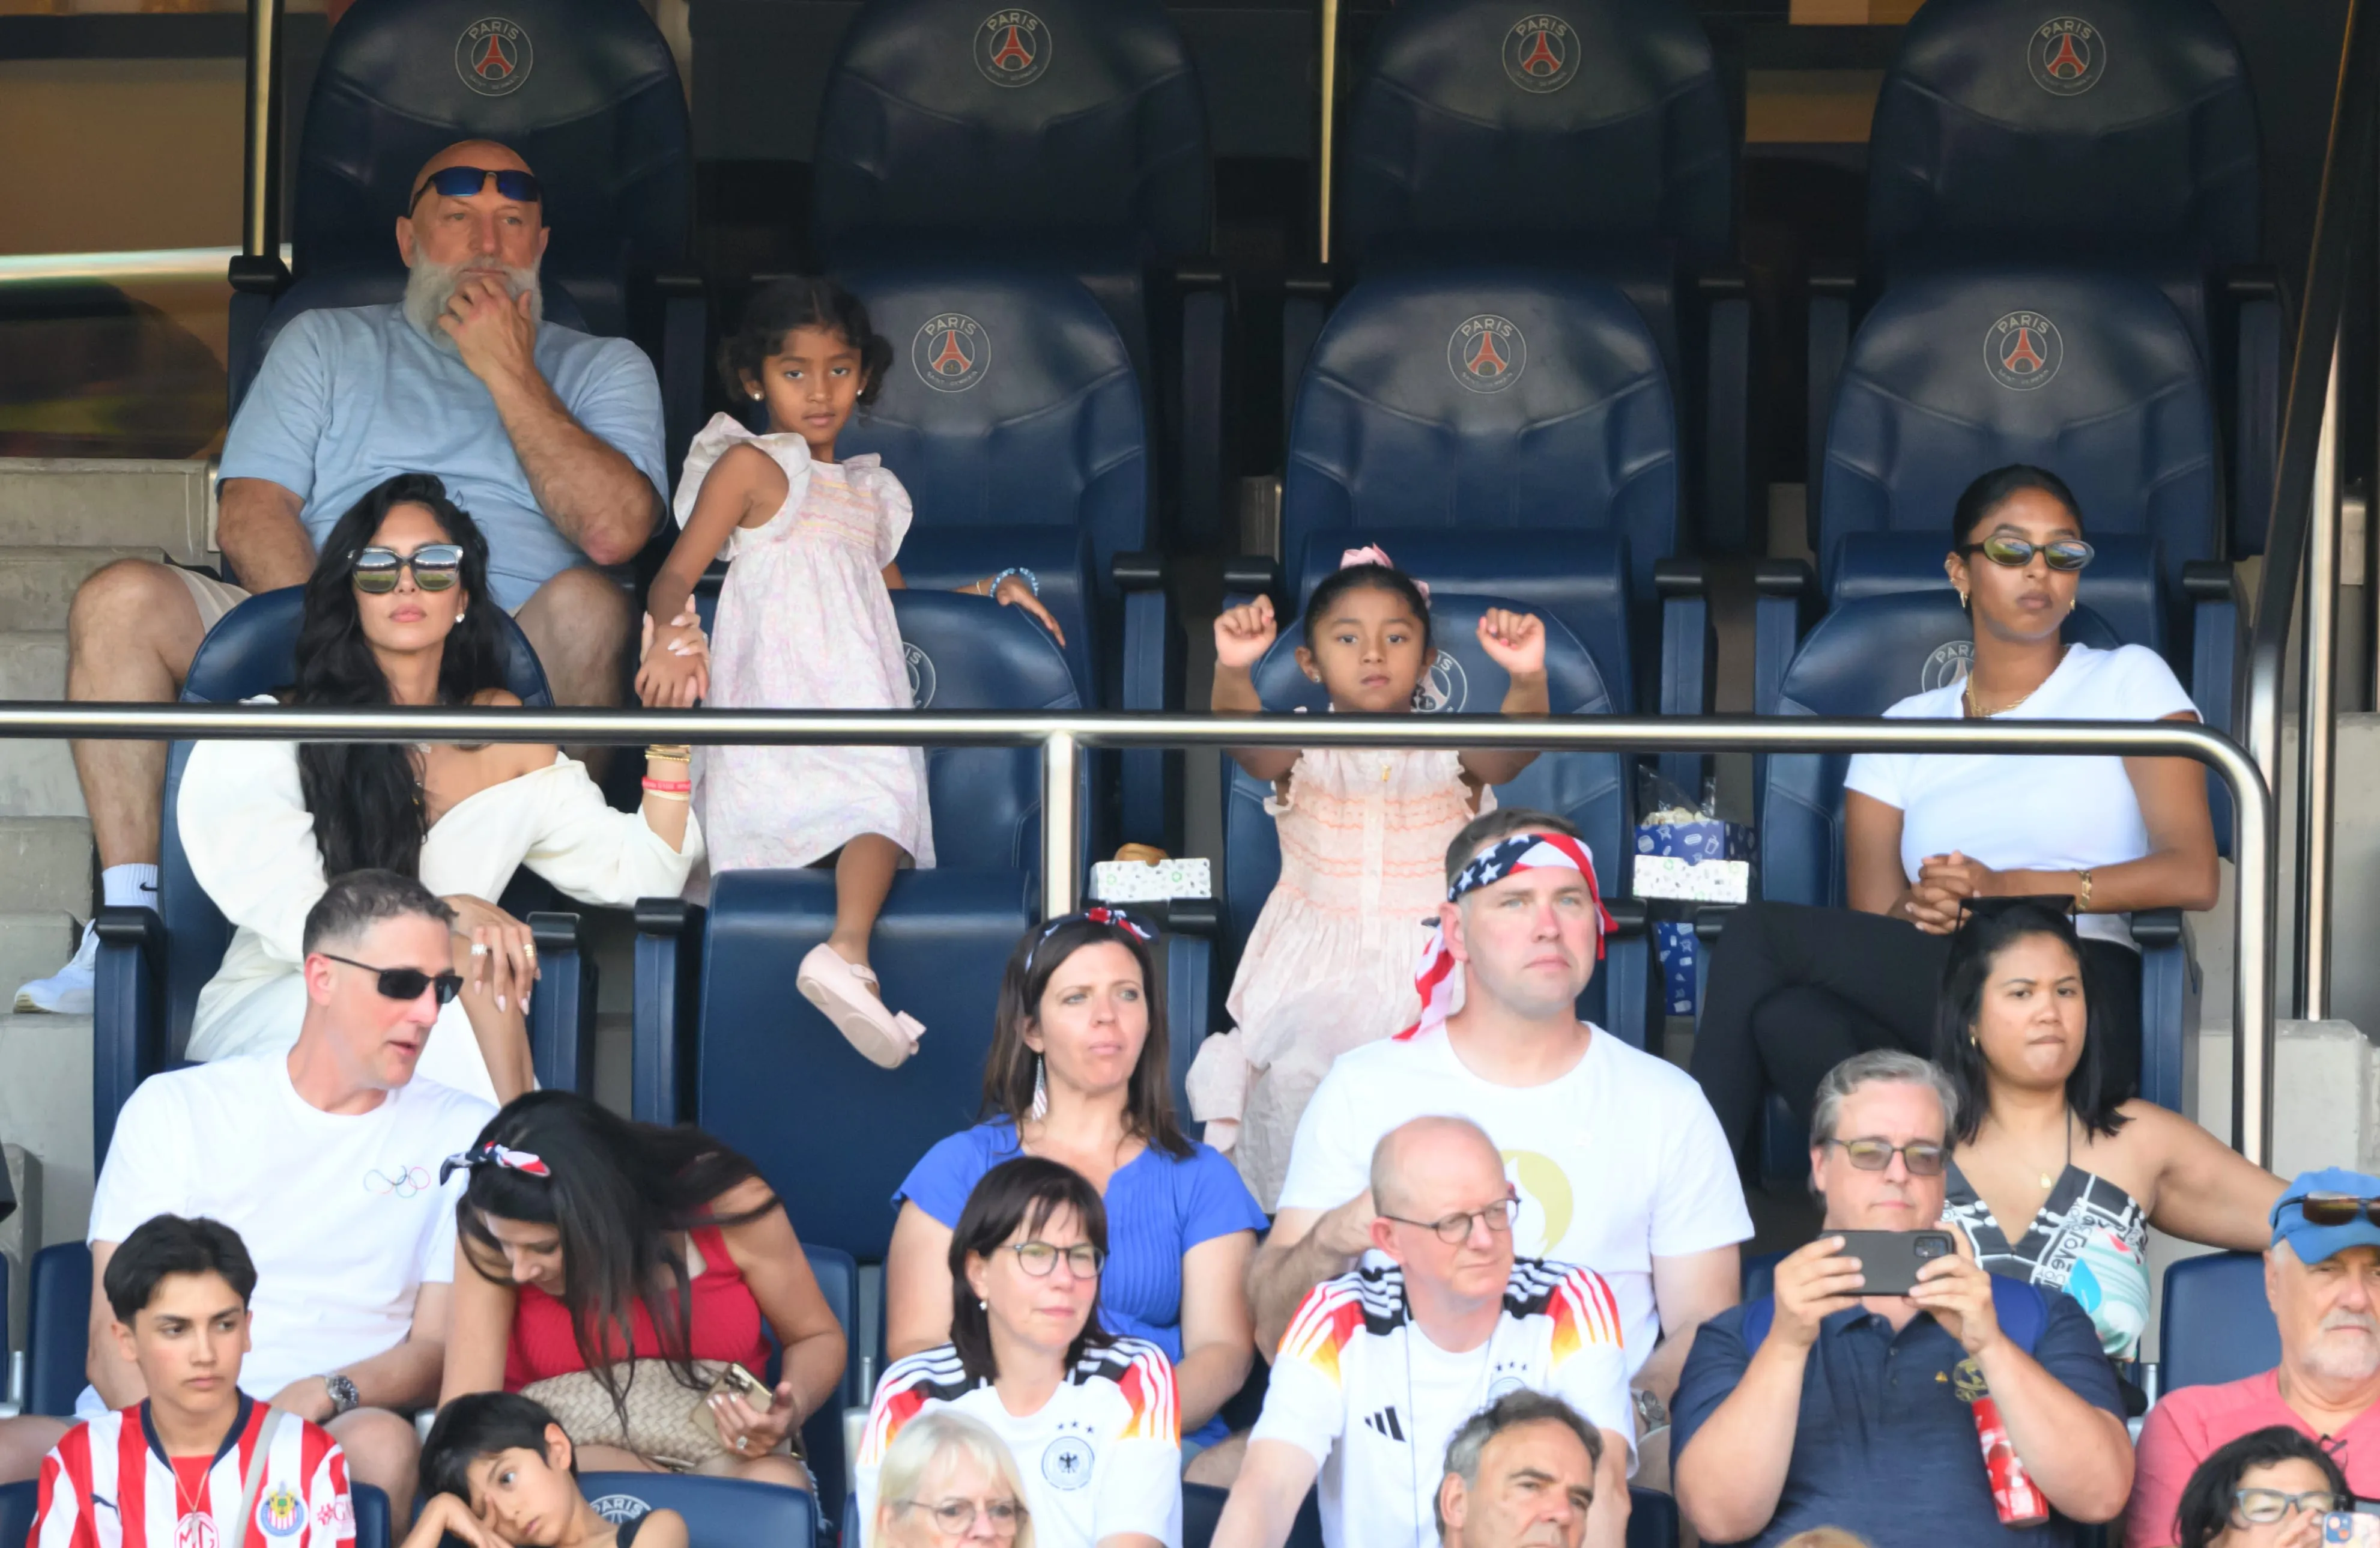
<point x="141" y="266"/>
<point x="1063" y="737"/>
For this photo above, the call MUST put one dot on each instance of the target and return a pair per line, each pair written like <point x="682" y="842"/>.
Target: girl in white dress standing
<point x="805" y="622"/>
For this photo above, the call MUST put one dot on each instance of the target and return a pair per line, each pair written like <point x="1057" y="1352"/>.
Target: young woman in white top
<point x="398" y="611"/>
<point x="1794" y="990"/>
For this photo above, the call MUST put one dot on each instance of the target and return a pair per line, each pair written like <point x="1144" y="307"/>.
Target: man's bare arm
<point x="257" y="529"/>
<point x="1302" y="1250"/>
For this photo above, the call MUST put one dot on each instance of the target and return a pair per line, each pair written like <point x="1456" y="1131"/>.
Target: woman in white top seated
<point x="1794" y="990"/>
<point x="1091" y="1417"/>
<point x="398" y="611"/>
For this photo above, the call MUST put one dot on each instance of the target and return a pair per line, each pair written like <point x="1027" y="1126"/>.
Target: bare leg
<point x="383" y="1450"/>
<point x="863" y="874"/>
<point x="131" y="636"/>
<point x="1219" y="1463"/>
<point x="785" y="1470"/>
<point x="579" y="623"/>
<point x="24" y="1442"/>
<point x="611" y="1459"/>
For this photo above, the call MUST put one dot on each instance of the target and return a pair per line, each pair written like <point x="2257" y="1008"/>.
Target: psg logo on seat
<point x="494" y="57"/>
<point x="2067" y="55"/>
<point x="1011" y="48"/>
<point x="2023" y="350"/>
<point x="1486" y="353"/>
<point x="952" y="352"/>
<point x="1540" y="54"/>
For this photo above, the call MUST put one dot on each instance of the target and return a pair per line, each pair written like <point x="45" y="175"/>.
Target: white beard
<point x="429" y="287"/>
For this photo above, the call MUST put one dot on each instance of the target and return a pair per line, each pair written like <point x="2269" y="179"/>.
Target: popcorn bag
<point x="1684" y="855"/>
<point x="1136" y="881"/>
<point x="2013" y="1495"/>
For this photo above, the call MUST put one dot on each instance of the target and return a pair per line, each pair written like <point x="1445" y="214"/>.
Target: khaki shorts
<point x="214" y="598"/>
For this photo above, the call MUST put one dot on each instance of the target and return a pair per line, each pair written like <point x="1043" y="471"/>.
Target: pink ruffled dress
<point x="806" y="622"/>
<point x="1330" y="964"/>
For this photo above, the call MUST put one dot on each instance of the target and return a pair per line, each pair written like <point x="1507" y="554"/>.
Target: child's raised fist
<point x="1243" y="634"/>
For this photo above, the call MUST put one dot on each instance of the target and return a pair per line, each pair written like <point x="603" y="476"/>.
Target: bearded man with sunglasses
<point x="324" y="1159"/>
<point x="1896" y="1416"/>
<point x="2322" y="1277"/>
<point x="551" y="438"/>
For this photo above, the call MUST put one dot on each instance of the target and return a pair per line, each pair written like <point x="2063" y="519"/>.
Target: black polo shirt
<point x="1885" y="1446"/>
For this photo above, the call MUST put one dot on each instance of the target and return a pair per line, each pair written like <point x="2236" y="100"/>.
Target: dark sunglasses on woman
<point x="435" y="565"/>
<point x="462" y="182"/>
<point x="406" y="983"/>
<point x="2065" y="554"/>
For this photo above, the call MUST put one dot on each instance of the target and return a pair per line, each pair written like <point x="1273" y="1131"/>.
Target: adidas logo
<point x="1385" y="1422"/>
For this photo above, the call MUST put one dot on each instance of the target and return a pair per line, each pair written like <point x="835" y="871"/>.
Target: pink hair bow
<point x="1373" y="553"/>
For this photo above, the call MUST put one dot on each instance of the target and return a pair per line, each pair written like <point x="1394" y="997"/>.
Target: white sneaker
<point x="66" y="992"/>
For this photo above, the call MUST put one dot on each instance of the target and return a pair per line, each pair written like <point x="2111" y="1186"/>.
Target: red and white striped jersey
<point x="108" y="1484"/>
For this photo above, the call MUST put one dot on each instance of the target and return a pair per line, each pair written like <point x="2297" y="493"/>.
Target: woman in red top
<point x="579" y="1226"/>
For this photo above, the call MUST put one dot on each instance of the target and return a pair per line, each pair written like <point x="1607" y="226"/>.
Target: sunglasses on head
<point x="2337" y="1209"/>
<point x="2065" y="554"/>
<point x="406" y="983"/>
<point x="462" y="182"/>
<point x="435" y="567"/>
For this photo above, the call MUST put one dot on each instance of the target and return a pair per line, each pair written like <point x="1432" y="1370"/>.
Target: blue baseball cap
<point x="2313" y="1243"/>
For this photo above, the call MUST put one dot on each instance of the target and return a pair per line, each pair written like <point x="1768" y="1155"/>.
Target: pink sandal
<point x="840" y="989"/>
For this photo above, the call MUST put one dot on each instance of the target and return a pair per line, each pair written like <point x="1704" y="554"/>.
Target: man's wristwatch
<point x="345" y="1399"/>
<point x="1651" y="1412"/>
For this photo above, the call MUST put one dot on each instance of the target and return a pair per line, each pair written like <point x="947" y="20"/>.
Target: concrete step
<point x="38" y="583"/>
<point x="46" y="1107"/>
<point x="33" y="946"/>
<point x="37" y="778"/>
<point x="45" y="865"/>
<point x="76" y="502"/>
<point x="32" y="663"/>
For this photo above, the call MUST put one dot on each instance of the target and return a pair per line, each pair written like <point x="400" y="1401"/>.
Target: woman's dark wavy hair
<point x="2205" y="1507"/>
<point x="1024" y="1192"/>
<point x="619" y="1193"/>
<point x="1365" y="577"/>
<point x="1008" y="1068"/>
<point x="1991" y="491"/>
<point x="1980" y="939"/>
<point x="366" y="797"/>
<point x="802" y="301"/>
<point x="481" y="1424"/>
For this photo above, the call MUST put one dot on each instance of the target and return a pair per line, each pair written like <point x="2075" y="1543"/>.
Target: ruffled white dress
<point x="806" y="622"/>
<point x="250" y="843"/>
<point x="1330" y="963"/>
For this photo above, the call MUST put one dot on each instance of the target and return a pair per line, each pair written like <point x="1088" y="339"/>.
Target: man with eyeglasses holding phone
<point x="549" y="437"/>
<point x="2321" y="1276"/>
<point x="1975" y="1408"/>
<point x="1382" y="1366"/>
<point x="325" y="1159"/>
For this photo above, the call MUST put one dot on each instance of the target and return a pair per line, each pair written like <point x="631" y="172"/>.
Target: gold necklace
<point x="1975" y="709"/>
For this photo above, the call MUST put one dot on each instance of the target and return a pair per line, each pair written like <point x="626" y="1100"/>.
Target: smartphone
<point x="1889" y="1260"/>
<point x="734" y="1379"/>
<point x="2355" y="1527"/>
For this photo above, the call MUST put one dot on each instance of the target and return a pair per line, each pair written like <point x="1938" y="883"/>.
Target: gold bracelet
<point x="2083" y="898"/>
<point x="662" y="752"/>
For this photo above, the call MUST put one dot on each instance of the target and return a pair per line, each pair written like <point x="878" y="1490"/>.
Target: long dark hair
<point x="366" y="797"/>
<point x="1982" y="935"/>
<point x="1008" y="1069"/>
<point x="2205" y="1507"/>
<point x="1025" y="1191"/>
<point x="1991" y="491"/>
<point x="1366" y="577"/>
<point x="619" y="1193"/>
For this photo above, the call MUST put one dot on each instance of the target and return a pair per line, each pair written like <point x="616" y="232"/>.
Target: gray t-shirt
<point x="350" y="396"/>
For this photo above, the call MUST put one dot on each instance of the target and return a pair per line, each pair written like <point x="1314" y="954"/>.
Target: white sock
<point x="128" y="886"/>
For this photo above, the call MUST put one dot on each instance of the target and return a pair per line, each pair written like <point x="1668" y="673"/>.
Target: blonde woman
<point x="948" y="1478"/>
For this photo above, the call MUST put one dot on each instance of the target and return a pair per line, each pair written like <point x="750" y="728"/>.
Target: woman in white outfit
<point x="398" y="611"/>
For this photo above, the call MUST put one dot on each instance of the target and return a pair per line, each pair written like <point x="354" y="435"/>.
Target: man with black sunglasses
<point x="2322" y="1277"/>
<point x="1965" y="1410"/>
<point x="549" y="437"/>
<point x="324" y="1159"/>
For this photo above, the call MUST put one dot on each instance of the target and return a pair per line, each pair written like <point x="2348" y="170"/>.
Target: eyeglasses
<point x="2337" y="1209"/>
<point x="435" y="565"/>
<point x="956" y="1517"/>
<point x="1456" y="1229"/>
<point x="462" y="182"/>
<point x="2065" y="554"/>
<point x="406" y="983"/>
<point x="2259" y="1507"/>
<point x="1923" y="1158"/>
<point x="1037" y="1258"/>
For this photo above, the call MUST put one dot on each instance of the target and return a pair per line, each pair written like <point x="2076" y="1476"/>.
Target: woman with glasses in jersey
<point x="1794" y="990"/>
<point x="398" y="611"/>
<point x="1091" y="1417"/>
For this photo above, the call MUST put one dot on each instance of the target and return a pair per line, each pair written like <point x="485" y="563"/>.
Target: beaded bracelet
<point x="1030" y="579"/>
<point x="666" y="786"/>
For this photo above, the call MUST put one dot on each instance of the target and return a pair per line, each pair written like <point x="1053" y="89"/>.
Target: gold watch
<point x="2083" y="896"/>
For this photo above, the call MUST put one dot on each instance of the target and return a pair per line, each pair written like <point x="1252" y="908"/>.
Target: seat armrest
<point x="1156" y="663"/>
<point x="2171" y="987"/>
<point x="1786" y="594"/>
<point x="1140" y="569"/>
<point x="1832" y="296"/>
<point x="2258" y="348"/>
<point x="1628" y="974"/>
<point x="128" y="1014"/>
<point x="562" y="1011"/>
<point x="1250" y="576"/>
<point x="1208" y="302"/>
<point x="258" y="274"/>
<point x="1192" y="926"/>
<point x="667" y="1009"/>
<point x="1689" y="657"/>
<point x="2218" y="646"/>
<point x="1308" y="296"/>
<point x="685" y="363"/>
<point x="1727" y="514"/>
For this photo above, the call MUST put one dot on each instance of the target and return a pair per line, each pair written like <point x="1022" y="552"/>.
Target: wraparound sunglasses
<point x="2065" y="554"/>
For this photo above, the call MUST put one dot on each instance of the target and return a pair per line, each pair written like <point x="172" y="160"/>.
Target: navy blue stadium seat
<point x="1590" y="788"/>
<point x="838" y="1281"/>
<point x="370" y="1506"/>
<point x="1652" y="1519"/>
<point x="2125" y="140"/>
<point x="585" y="90"/>
<point x="2216" y="1324"/>
<point x="1012" y="417"/>
<point x="18" y="1505"/>
<point x="153" y="962"/>
<point x="1072" y="136"/>
<point x="1202" y="1508"/>
<point x="722" y="1037"/>
<point x="57" y="1330"/>
<point x="1589" y="134"/>
<point x="1510" y="432"/>
<point x="720" y="1512"/>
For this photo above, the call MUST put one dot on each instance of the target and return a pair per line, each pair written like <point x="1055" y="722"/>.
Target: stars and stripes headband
<point x="492" y="1154"/>
<point x="1434" y="977"/>
<point x="1114" y="918"/>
